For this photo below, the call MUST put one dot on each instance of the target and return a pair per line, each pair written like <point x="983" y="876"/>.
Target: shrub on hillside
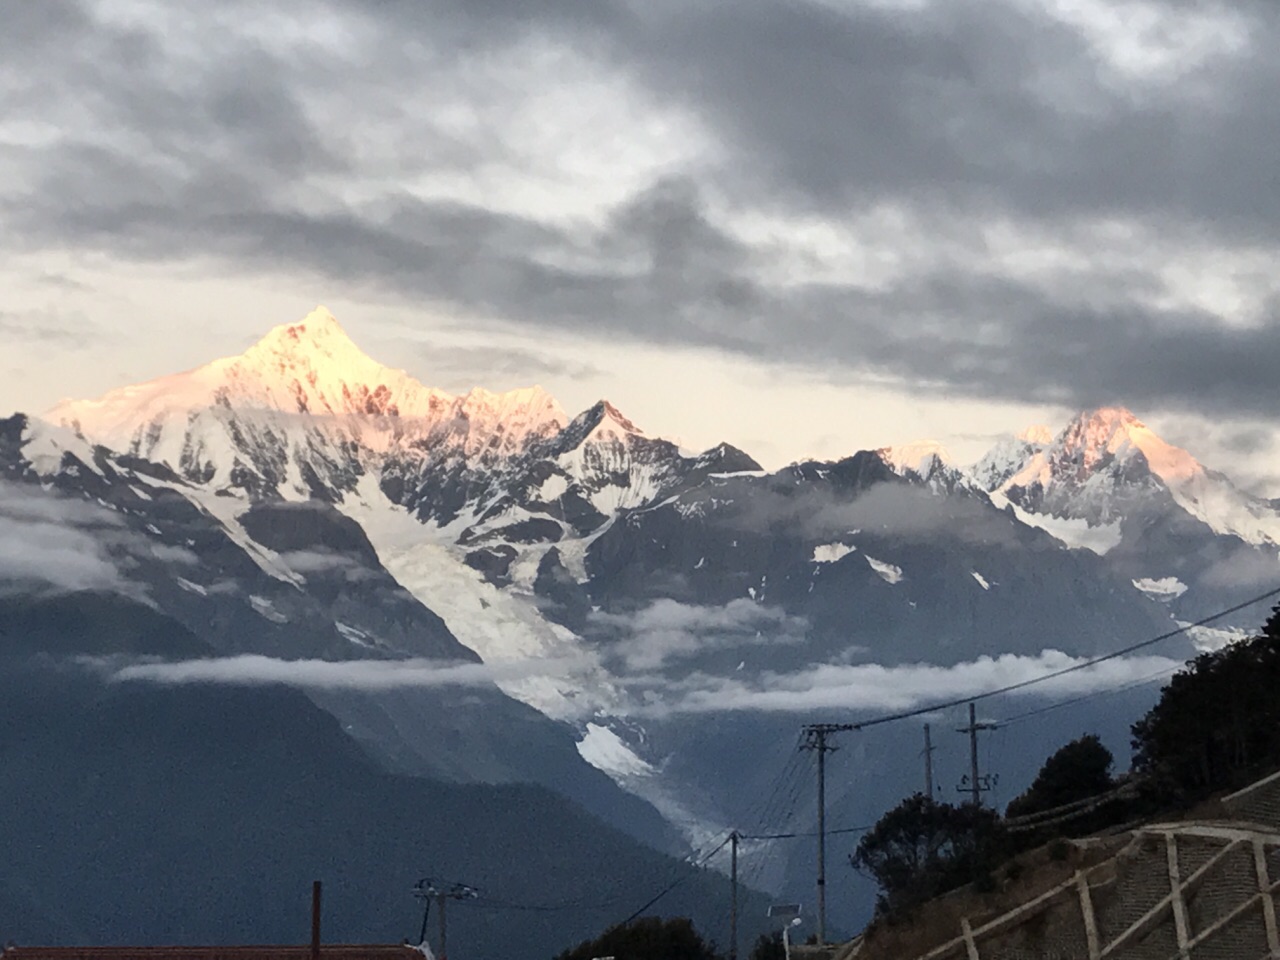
<point x="922" y="848"/>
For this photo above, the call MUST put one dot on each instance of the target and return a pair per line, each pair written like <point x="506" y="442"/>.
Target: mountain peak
<point x="300" y="383"/>
<point x="1111" y="418"/>
<point x="317" y="327"/>
<point x="1114" y="432"/>
<point x="613" y="415"/>
<point x="1107" y="460"/>
<point x="1036" y="433"/>
<point x="920" y="457"/>
<point x="316" y="349"/>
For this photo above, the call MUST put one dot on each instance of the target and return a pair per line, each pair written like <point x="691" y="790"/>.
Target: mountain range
<point x="483" y="592"/>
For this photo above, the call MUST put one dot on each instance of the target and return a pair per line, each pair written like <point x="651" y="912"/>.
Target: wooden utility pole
<point x="315" y="920"/>
<point x="928" y="763"/>
<point x="441" y="900"/>
<point x="816" y="739"/>
<point x="733" y="902"/>
<point x="427" y="891"/>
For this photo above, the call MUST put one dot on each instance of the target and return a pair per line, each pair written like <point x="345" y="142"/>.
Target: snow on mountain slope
<point x="46" y="446"/>
<point x="1009" y="456"/>
<point x="1106" y="458"/>
<point x="566" y="491"/>
<point x="1074" y="532"/>
<point x="561" y="677"/>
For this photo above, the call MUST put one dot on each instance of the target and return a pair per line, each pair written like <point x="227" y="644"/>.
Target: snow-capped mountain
<point x="1185" y="533"/>
<point x="304" y="413"/>
<point x="1108" y="457"/>
<point x="471" y="503"/>
<point x="289" y="581"/>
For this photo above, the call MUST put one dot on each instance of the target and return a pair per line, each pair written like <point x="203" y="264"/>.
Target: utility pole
<point x="733" y="903"/>
<point x="315" y="920"/>
<point x="816" y="739"/>
<point x="442" y="893"/>
<point x="928" y="763"/>
<point x="974" y="784"/>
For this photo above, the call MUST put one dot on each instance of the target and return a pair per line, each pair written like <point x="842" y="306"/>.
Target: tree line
<point x="1215" y="727"/>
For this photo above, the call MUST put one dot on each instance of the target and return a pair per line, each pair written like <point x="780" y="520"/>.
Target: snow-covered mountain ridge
<point x="1105" y="459"/>
<point x="302" y="409"/>
<point x="1108" y="483"/>
<point x="304" y="413"/>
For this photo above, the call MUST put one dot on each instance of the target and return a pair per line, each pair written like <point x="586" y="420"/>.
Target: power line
<point x="679" y="880"/>
<point x="809" y="833"/>
<point x="794" y="780"/>
<point x="1054" y="674"/>
<point x="493" y="903"/>
<point x="1093" y="695"/>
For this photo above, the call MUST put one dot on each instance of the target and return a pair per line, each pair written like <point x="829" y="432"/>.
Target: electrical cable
<point x="809" y="833"/>
<point x="1054" y="674"/>
<point x="679" y="880"/>
<point x="494" y="903"/>
<point x="801" y="766"/>
<point x="1092" y="695"/>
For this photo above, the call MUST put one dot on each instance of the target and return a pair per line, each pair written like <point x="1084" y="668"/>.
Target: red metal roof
<point x="327" y="952"/>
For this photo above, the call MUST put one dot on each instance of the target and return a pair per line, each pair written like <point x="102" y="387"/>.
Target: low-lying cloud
<point x="367" y="675"/>
<point x="666" y="630"/>
<point x="852" y="691"/>
<point x="871" y="688"/>
<point x="56" y="544"/>
<point x="327" y="562"/>
<point x="899" y="509"/>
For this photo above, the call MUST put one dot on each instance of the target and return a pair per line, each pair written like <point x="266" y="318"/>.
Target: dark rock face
<point x="872" y="563"/>
<point x="494" y="563"/>
<point x="288" y="527"/>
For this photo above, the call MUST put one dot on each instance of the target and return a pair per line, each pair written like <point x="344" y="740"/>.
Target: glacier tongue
<point x="564" y="678"/>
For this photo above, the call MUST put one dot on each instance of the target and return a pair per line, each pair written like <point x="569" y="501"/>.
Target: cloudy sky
<point x="804" y="226"/>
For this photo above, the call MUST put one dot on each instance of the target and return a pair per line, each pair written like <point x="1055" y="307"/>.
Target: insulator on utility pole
<point x="428" y="891"/>
<point x="975" y="783"/>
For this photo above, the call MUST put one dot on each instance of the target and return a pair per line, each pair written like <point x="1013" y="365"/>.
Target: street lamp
<point x="786" y="937"/>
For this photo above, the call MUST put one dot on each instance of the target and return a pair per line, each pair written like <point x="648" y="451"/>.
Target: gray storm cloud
<point x="1057" y="210"/>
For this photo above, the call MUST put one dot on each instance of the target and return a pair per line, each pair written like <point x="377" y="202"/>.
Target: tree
<point x="1078" y="770"/>
<point x="649" y="938"/>
<point x="922" y="848"/>
<point x="1217" y="722"/>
